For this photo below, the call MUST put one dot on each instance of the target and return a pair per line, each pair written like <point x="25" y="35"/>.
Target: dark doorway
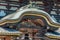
<point x="26" y="36"/>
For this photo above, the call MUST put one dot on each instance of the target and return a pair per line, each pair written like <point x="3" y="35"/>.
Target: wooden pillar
<point x="8" y="38"/>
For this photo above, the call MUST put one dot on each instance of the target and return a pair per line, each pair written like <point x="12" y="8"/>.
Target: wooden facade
<point x="27" y="29"/>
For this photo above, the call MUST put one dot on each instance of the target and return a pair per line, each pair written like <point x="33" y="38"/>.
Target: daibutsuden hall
<point x="29" y="19"/>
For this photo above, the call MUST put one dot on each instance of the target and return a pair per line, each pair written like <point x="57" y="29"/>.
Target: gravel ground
<point x="46" y="38"/>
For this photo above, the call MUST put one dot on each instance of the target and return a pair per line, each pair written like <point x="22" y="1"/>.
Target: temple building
<point x="29" y="19"/>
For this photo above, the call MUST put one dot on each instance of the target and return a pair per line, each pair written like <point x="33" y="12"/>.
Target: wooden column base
<point x="5" y="37"/>
<point x="8" y="38"/>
